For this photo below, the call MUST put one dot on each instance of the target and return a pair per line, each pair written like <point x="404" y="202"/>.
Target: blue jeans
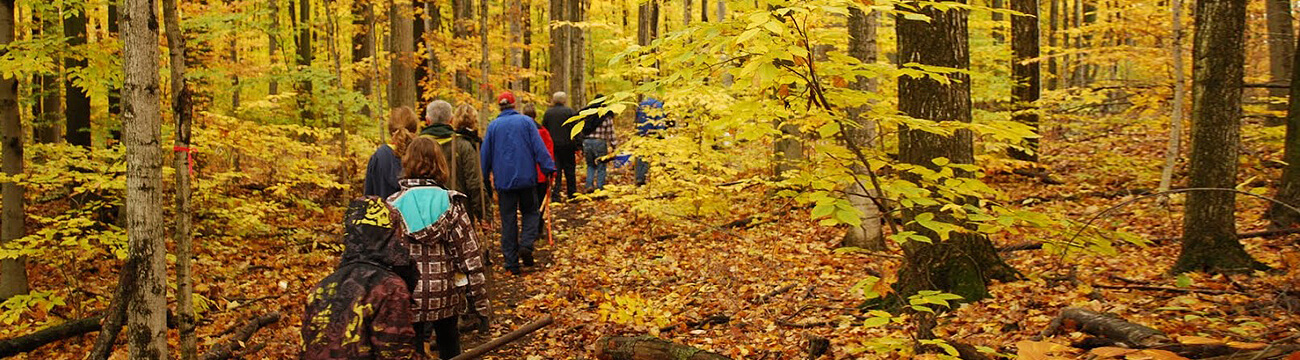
<point x="512" y="241"/>
<point x="642" y="168"/>
<point x="592" y="150"/>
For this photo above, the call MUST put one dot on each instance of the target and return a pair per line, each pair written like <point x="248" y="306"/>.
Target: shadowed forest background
<point x="844" y="179"/>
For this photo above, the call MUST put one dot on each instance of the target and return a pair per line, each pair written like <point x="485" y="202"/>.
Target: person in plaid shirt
<point x="597" y="144"/>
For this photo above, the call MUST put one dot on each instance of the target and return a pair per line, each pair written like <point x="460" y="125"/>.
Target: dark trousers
<point x="513" y="240"/>
<point x="448" y="336"/>
<point x="567" y="163"/>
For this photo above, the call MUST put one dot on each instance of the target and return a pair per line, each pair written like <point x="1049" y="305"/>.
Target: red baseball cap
<point x="506" y="98"/>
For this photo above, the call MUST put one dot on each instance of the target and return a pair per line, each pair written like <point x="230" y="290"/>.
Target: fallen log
<point x="648" y="348"/>
<point x="234" y="343"/>
<point x="508" y="338"/>
<point x="1107" y="326"/>
<point x="22" y="344"/>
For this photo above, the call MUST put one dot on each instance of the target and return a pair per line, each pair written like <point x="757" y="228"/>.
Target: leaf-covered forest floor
<point x="777" y="278"/>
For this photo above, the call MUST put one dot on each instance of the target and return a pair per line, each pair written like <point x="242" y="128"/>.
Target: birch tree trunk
<point x="1209" y="229"/>
<point x="146" y="305"/>
<point x="183" y="111"/>
<point x="1174" y="148"/>
<point x="13" y="272"/>
<point x="862" y="45"/>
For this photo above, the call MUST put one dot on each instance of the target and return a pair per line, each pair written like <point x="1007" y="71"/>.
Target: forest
<point x="787" y="179"/>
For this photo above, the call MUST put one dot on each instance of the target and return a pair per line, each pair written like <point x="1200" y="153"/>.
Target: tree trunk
<point x="114" y="91"/>
<point x="305" y="56"/>
<point x="336" y="58"/>
<point x="146" y="313"/>
<point x="646" y="348"/>
<point x="419" y="72"/>
<point x="363" y="45"/>
<point x="273" y="42"/>
<point x="515" y="62"/>
<point x="463" y="23"/>
<point x="183" y="112"/>
<point x="727" y="79"/>
<point x="998" y="36"/>
<point x="115" y="315"/>
<point x="559" y="47"/>
<point x="1107" y="326"/>
<point x="76" y="107"/>
<point x="13" y="272"/>
<point x="1209" y="228"/>
<point x="485" y="92"/>
<point x="527" y="82"/>
<point x="686" y="13"/>
<point x="1054" y="20"/>
<point x="1076" y="73"/>
<point x="433" y="25"/>
<point x="45" y="128"/>
<point x="966" y="263"/>
<point x="1174" y="149"/>
<point x="233" y="55"/>
<point x="704" y="11"/>
<point x="1025" y="69"/>
<point x="862" y="46"/>
<point x="1281" y="48"/>
<point x="1289" y="186"/>
<point x="577" y="53"/>
<point x="402" y="69"/>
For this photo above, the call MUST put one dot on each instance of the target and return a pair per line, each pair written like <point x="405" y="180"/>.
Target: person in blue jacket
<point x="649" y="122"/>
<point x="511" y="154"/>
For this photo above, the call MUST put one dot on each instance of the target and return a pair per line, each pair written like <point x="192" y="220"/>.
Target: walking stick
<point x="546" y="212"/>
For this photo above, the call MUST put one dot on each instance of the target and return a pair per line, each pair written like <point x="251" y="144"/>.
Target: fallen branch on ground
<point x="22" y="344"/>
<point x="1249" y="235"/>
<point x="1166" y="288"/>
<point x="506" y="339"/>
<point x="227" y="349"/>
<point x="768" y="297"/>
<point x="1107" y="326"/>
<point x="715" y="319"/>
<point x="646" y="347"/>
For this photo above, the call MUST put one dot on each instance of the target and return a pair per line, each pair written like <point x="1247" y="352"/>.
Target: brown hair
<point x="403" y="124"/>
<point x="423" y="160"/>
<point x="466" y="117"/>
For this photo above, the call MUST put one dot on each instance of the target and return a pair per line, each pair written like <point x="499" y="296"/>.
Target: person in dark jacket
<point x="565" y="148"/>
<point x="460" y="153"/>
<point x="363" y="309"/>
<point x="511" y="152"/>
<point x="446" y="257"/>
<point x="649" y="122"/>
<point x="385" y="166"/>
<point x="543" y="181"/>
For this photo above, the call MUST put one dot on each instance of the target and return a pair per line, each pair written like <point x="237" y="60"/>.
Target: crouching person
<point x="363" y="309"/>
<point x="444" y="248"/>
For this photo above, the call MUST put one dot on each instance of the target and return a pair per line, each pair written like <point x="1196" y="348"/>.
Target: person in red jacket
<point x="543" y="183"/>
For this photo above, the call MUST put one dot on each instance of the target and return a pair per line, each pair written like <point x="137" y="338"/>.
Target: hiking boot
<point x="515" y="271"/>
<point x="527" y="255"/>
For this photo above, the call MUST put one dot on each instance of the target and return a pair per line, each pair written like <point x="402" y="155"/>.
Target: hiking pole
<point x="546" y="210"/>
<point x="506" y="339"/>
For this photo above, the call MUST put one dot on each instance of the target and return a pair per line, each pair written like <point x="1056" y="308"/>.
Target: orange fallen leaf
<point x="1198" y="340"/>
<point x="1036" y="350"/>
<point x="1111" y="351"/>
<point x="1247" y="346"/>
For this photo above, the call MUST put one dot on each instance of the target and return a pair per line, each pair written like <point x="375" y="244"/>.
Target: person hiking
<point x="385" y="165"/>
<point x="597" y="142"/>
<point x="460" y="154"/>
<point x="543" y="181"/>
<point x="445" y="254"/>
<point x="511" y="152"/>
<point x="649" y="122"/>
<point x="565" y="148"/>
<point x="465" y="120"/>
<point x="363" y="290"/>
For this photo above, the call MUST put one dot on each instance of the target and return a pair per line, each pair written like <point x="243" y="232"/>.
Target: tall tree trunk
<point x="704" y="11"/>
<point x="146" y="313"/>
<point x="727" y="79"/>
<point x="332" y="28"/>
<point x="402" y="72"/>
<point x="114" y="91"/>
<point x="485" y="92"/>
<point x="1173" y="150"/>
<point x="433" y="24"/>
<point x="419" y="72"/>
<point x="13" y="272"/>
<point x="363" y="45"/>
<point x="1054" y="20"/>
<point x="461" y="30"/>
<point x="45" y="128"/>
<point x="233" y="55"/>
<point x="862" y="46"/>
<point x="964" y="264"/>
<point x="516" y="61"/>
<point x="998" y="36"/>
<point x="527" y="82"/>
<point x="305" y="56"/>
<point x="560" y="47"/>
<point x="76" y="108"/>
<point x="1026" y="72"/>
<point x="183" y="111"/>
<point x="1209" y="228"/>
<point x="1281" y="48"/>
<point x="1288" y="189"/>
<point x="1076" y="77"/>
<point x="273" y="42"/>
<point x="686" y="13"/>
<point x="578" y="53"/>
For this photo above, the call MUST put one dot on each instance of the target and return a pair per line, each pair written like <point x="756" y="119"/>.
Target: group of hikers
<point x="412" y="262"/>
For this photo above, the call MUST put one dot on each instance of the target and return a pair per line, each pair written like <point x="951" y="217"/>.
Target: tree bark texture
<point x="1054" y="20"/>
<point x="1105" y="325"/>
<point x="515" y="63"/>
<point x="433" y="27"/>
<point x="273" y="42"/>
<point x="1288" y="189"/>
<point x="114" y="92"/>
<point x="146" y="306"/>
<point x="76" y="103"/>
<point x="862" y="46"/>
<point x="418" y="69"/>
<point x="578" y="52"/>
<point x="527" y="81"/>
<point x="1027" y="73"/>
<point x="46" y="127"/>
<point x="1173" y="151"/>
<point x="649" y="348"/>
<point x="363" y="45"/>
<point x="559" y="47"/>
<point x="964" y="264"/>
<point x="1209" y="227"/>
<point x="13" y="272"/>
<point x="305" y="55"/>
<point x="402" y="65"/>
<point x="485" y="91"/>
<point x="1281" y="48"/>
<point x="461" y="30"/>
<point x="183" y="112"/>
<point x="686" y="13"/>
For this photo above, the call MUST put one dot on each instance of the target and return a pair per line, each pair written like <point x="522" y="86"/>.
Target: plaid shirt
<point x="606" y="132"/>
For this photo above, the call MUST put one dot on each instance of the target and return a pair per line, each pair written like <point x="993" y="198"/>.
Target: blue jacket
<point x="650" y="117"/>
<point x="512" y="150"/>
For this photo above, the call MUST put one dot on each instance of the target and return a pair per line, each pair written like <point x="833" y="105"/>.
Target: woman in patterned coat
<point x="448" y="276"/>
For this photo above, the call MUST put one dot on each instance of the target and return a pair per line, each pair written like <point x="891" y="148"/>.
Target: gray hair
<point x="437" y="112"/>
<point x="560" y="98"/>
